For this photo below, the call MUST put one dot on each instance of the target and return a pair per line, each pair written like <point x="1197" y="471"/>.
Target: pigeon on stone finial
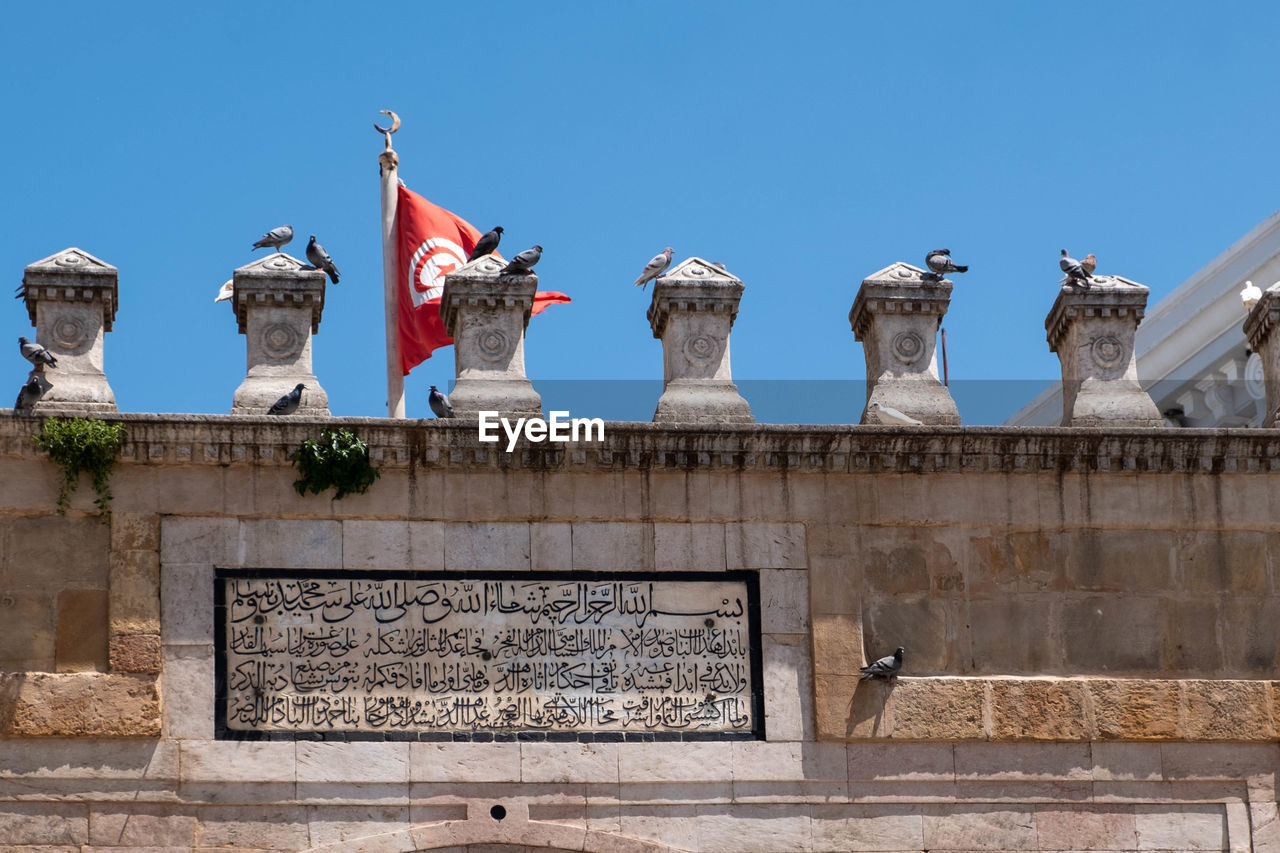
<point x="227" y="290"/>
<point x="320" y="259"/>
<point x="1250" y="295"/>
<point x="1089" y="264"/>
<point x="939" y="263"/>
<point x="657" y="266"/>
<point x="1075" y="272"/>
<point x="35" y="353"/>
<point x="523" y="262"/>
<point x="890" y="416"/>
<point x="887" y="667"/>
<point x="288" y="404"/>
<point x="29" y="395"/>
<point x="487" y="244"/>
<point x="275" y="238"/>
<point x="439" y="403"/>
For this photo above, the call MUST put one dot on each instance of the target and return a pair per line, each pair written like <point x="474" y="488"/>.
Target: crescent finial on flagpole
<point x="387" y="131"/>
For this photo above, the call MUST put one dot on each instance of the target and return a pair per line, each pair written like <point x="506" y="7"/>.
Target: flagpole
<point x="388" y="166"/>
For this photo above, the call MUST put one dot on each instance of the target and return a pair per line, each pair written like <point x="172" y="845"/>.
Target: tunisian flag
<point x="432" y="242"/>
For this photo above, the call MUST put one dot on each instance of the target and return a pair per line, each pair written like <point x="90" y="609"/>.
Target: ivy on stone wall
<point x="83" y="444"/>
<point x="338" y="459"/>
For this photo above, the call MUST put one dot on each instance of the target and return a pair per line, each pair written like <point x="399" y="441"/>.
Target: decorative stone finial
<point x="278" y="303"/>
<point x="1260" y="329"/>
<point x="1092" y="330"/>
<point x="692" y="311"/>
<point x="71" y="298"/>
<point x="486" y="313"/>
<point x="896" y="316"/>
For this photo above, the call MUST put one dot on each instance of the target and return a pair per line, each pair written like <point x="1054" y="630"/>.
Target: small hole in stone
<point x="709" y="622"/>
<point x="497" y="812"/>
<point x="487" y="656"/>
<point x="259" y="619"/>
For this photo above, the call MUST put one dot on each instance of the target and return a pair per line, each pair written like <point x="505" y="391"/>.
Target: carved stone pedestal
<point x="1260" y="329"/>
<point x="692" y="312"/>
<point x="486" y="313"/>
<point x="278" y="303"/>
<point x="896" y="316"/>
<point x="71" y="298"/>
<point x="1092" y="331"/>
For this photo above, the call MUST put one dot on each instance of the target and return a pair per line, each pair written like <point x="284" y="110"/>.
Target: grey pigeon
<point x="1075" y="272"/>
<point x="439" y="403"/>
<point x="320" y="259"/>
<point x="523" y="262"/>
<point x="35" y="353"/>
<point x="886" y="667"/>
<point x="29" y="395"/>
<point x="890" y="416"/>
<point x="657" y="266"/>
<point x="939" y="262"/>
<point x="275" y="238"/>
<point x="288" y="404"/>
<point x="486" y="244"/>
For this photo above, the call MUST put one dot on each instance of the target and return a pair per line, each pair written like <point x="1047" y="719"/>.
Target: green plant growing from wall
<point x="339" y="459"/>
<point x="83" y="444"/>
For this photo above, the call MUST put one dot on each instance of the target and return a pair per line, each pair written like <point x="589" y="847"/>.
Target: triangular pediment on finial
<point x="697" y="270"/>
<point x="274" y="263"/>
<point x="1116" y="281"/>
<point x="72" y="260"/>
<point x="901" y="273"/>
<point x="483" y="266"/>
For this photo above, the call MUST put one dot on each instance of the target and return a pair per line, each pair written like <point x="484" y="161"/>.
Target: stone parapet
<point x="71" y="298"/>
<point x="278" y="304"/>
<point x="896" y="316"/>
<point x="486" y="312"/>
<point x="1092" y="330"/>
<point x="692" y="313"/>
<point x="1260" y="330"/>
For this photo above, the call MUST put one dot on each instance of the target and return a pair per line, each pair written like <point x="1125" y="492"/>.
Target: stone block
<point x="762" y="828"/>
<point x="187" y="686"/>
<point x="368" y="828"/>
<point x="58" y="551"/>
<point x="835" y="714"/>
<point x="550" y="545"/>
<point x="1215" y="561"/>
<point x="788" y="689"/>
<point x="134" y="578"/>
<point x="280" y="827"/>
<point x="974" y="826"/>
<point x="141" y="825"/>
<point x="1035" y="709"/>
<point x="464" y="762"/>
<point x="126" y="760"/>
<point x="1012" y="635"/>
<point x="135" y="531"/>
<point x="688" y="547"/>
<point x="672" y="761"/>
<point x="856" y="827"/>
<point x="1016" y="561"/>
<point x="486" y="546"/>
<point x="835" y="585"/>
<point x="1181" y="826"/>
<point x="27" y="643"/>
<point x="765" y="545"/>
<point x="569" y="762"/>
<point x="1129" y="561"/>
<point x="1053" y="762"/>
<point x="675" y="826"/>
<point x="784" y="601"/>
<point x="1133" y="709"/>
<point x="43" y="823"/>
<point x="186" y="603"/>
<point x="1228" y="710"/>
<point x="793" y="761"/>
<point x="214" y="541"/>
<point x="88" y="704"/>
<point x="353" y="762"/>
<point x="937" y="708"/>
<point x="1126" y="762"/>
<point x="426" y="544"/>
<point x="235" y="761"/>
<point x="902" y="762"/>
<point x="1250" y="643"/>
<point x="287" y="544"/>
<point x="1081" y="827"/>
<point x="134" y="653"/>
<point x="612" y="545"/>
<point x="81" y="639"/>
<point x="1108" y="635"/>
<point x="375" y="544"/>
<point x="886" y="622"/>
<point x="837" y="644"/>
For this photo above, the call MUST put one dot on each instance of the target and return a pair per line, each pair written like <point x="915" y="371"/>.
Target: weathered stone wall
<point x="1089" y="622"/>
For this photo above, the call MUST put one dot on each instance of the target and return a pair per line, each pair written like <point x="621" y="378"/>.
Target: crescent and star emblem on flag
<point x="432" y="261"/>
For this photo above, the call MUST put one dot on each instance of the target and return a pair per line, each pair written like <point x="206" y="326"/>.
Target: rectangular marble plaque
<point x="488" y="655"/>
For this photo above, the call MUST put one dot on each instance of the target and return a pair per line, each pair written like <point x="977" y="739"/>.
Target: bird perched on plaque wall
<point x="319" y="258"/>
<point x="275" y="238"/>
<point x="524" y="262"/>
<point x="657" y="266"/>
<point x="1076" y="273"/>
<point x="887" y="667"/>
<point x="439" y="403"/>
<point x="288" y="404"/>
<point x="939" y="263"/>
<point x="35" y="353"/>
<point x="487" y="244"/>
<point x="889" y="416"/>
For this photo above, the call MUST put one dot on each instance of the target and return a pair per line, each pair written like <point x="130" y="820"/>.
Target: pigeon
<point x="886" y="667"/>
<point x="486" y="244"/>
<point x="940" y="263"/>
<point x="29" y="395"/>
<point x="523" y="263"/>
<point x="275" y="238"/>
<point x="1075" y="272"/>
<point x="288" y="404"/>
<point x="35" y="353"/>
<point x="439" y="403"/>
<point x="890" y="416"/>
<point x="1089" y="264"/>
<point x="320" y="259"/>
<point x="227" y="290"/>
<point x="656" y="266"/>
<point x="1250" y="295"/>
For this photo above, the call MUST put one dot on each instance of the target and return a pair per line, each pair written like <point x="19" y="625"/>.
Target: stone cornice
<point x="898" y="289"/>
<point x="481" y="282"/>
<point x="1263" y="318"/>
<point x="1109" y="295"/>
<point x="694" y="285"/>
<point x="72" y="275"/>
<point x="251" y="440"/>
<point x="282" y="280"/>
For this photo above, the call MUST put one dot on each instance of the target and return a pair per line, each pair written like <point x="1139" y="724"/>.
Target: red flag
<point x="431" y="243"/>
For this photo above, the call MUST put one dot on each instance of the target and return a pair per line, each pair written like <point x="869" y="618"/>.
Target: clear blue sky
<point x="802" y="145"/>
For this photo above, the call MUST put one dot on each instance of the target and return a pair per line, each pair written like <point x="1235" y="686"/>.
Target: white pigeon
<point x="655" y="267"/>
<point x="890" y="416"/>
<point x="226" y="291"/>
<point x="1250" y="295"/>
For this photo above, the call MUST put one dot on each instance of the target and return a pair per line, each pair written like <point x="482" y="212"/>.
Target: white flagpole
<point x="388" y="165"/>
